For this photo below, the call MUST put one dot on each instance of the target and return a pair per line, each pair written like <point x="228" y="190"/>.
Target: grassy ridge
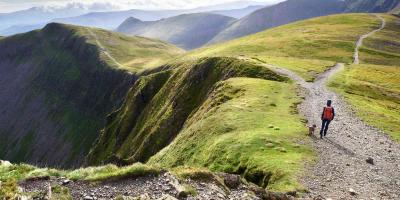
<point x="158" y="105"/>
<point x="245" y="134"/>
<point x="134" y="53"/>
<point x="307" y="47"/>
<point x="214" y="120"/>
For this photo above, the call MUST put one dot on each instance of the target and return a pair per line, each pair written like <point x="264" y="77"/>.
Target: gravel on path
<point x="344" y="169"/>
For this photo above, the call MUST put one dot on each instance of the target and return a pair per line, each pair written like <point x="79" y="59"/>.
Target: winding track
<point x="342" y="154"/>
<point x="103" y="49"/>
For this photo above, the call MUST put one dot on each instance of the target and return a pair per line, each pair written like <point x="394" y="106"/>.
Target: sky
<point x="104" y="5"/>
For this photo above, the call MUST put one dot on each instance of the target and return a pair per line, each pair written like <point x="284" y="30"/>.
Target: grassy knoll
<point x="383" y="48"/>
<point x="374" y="91"/>
<point x="308" y="47"/>
<point x="240" y="129"/>
<point x="134" y="53"/>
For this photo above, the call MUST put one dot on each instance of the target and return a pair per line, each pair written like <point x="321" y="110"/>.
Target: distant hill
<point x="187" y="31"/>
<point x="36" y="15"/>
<point x="20" y="29"/>
<point x="294" y="10"/>
<point x="58" y="84"/>
<point x="110" y="20"/>
<point x="77" y="15"/>
<point x="238" y="13"/>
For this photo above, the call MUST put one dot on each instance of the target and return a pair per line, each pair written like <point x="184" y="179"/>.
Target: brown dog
<point x="311" y="129"/>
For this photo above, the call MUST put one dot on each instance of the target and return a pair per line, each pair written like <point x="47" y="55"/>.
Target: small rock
<point x="88" y="198"/>
<point x="66" y="182"/>
<point x="281" y="149"/>
<point x="347" y="164"/>
<point x="352" y="191"/>
<point x="370" y="161"/>
<point x="270" y="126"/>
<point x="292" y="193"/>
<point x="231" y="180"/>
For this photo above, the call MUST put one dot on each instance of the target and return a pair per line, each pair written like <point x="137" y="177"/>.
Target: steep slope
<point x="294" y="10"/>
<point x="208" y="114"/>
<point x="57" y="86"/>
<point x="188" y="31"/>
<point x="282" y="13"/>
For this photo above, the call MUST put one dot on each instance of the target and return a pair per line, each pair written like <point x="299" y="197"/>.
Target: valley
<point x="89" y="113"/>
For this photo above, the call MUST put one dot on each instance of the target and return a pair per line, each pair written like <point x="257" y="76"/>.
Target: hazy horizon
<point x="7" y="6"/>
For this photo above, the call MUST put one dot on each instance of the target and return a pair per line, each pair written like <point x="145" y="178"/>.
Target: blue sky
<point x="13" y="5"/>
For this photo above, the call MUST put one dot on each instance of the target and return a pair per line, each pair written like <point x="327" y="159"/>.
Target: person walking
<point x="328" y="114"/>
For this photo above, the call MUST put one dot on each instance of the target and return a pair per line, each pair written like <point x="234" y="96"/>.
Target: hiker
<point x="328" y="114"/>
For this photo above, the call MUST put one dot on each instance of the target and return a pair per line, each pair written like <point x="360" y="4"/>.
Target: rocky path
<point x="342" y="170"/>
<point x="150" y="187"/>
<point x="103" y="49"/>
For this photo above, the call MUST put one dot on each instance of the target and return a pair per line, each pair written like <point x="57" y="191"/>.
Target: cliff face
<point x="55" y="93"/>
<point x="158" y="106"/>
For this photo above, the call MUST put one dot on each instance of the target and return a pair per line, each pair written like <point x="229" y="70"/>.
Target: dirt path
<point x="360" y="41"/>
<point x="342" y="166"/>
<point x="103" y="49"/>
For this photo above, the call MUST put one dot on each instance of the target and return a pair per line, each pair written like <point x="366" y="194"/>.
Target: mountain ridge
<point x="187" y="31"/>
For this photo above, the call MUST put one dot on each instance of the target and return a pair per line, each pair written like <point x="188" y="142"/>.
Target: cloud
<point x="106" y="5"/>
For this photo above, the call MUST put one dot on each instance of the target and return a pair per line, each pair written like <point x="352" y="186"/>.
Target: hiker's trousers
<point x="325" y="126"/>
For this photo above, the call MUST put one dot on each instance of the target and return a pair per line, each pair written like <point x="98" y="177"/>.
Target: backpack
<point x="328" y="113"/>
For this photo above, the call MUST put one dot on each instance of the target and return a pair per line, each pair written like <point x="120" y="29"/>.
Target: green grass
<point x="60" y="193"/>
<point x="230" y="132"/>
<point x="374" y="91"/>
<point x="107" y="172"/>
<point x="307" y="47"/>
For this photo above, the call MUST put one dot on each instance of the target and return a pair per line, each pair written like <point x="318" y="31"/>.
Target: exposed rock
<point x="352" y="192"/>
<point x="88" y="198"/>
<point x="66" y="182"/>
<point x="231" y="180"/>
<point x="370" y="161"/>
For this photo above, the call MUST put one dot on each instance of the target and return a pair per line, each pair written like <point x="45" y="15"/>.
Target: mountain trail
<point x="360" y="41"/>
<point x="342" y="171"/>
<point x="103" y="49"/>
